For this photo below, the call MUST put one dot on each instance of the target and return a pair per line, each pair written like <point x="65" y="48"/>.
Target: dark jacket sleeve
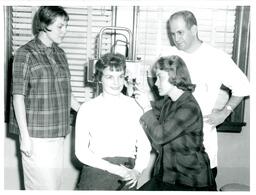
<point x="180" y="120"/>
<point x="157" y="107"/>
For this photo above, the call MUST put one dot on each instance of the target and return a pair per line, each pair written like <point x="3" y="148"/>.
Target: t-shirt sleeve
<point x="234" y="78"/>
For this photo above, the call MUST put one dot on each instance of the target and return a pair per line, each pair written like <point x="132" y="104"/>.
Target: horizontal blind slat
<point x="21" y="20"/>
<point x="79" y="45"/>
<point x="76" y="73"/>
<point x="77" y="84"/>
<point x="74" y="51"/>
<point x="22" y="32"/>
<point x="22" y="14"/>
<point x="21" y="25"/>
<point x="75" y="56"/>
<point x="22" y="8"/>
<point x="77" y="62"/>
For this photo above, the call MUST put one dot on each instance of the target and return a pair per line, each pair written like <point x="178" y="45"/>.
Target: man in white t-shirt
<point x="209" y="68"/>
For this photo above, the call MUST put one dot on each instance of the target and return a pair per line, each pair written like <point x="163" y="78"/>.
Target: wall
<point x="234" y="154"/>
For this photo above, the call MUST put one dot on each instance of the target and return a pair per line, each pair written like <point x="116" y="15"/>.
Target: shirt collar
<point x="181" y="98"/>
<point x="42" y="47"/>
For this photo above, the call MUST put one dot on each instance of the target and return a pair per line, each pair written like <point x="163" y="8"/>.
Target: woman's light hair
<point x="181" y="78"/>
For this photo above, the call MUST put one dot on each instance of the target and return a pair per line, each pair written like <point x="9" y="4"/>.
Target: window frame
<point x="240" y="55"/>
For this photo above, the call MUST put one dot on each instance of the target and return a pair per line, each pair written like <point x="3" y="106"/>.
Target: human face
<point x="162" y="82"/>
<point x="57" y="30"/>
<point x="182" y="36"/>
<point x="112" y="81"/>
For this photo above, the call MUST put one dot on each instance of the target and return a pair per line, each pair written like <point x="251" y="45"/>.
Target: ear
<point x="172" y="74"/>
<point x="194" y="30"/>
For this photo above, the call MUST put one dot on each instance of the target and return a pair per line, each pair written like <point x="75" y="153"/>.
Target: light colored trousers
<point x="43" y="170"/>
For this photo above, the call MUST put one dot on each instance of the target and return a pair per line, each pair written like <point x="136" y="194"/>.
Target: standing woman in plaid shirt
<point x="174" y="125"/>
<point x="42" y="100"/>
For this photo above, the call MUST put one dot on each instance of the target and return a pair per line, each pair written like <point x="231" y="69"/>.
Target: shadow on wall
<point x="18" y="155"/>
<point x="73" y="159"/>
<point x="7" y="114"/>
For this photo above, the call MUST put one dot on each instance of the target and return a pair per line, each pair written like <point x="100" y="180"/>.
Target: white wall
<point x="234" y="154"/>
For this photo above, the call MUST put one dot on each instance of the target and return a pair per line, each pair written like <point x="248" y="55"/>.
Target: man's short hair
<point x="45" y="16"/>
<point x="115" y="61"/>
<point x="187" y="16"/>
<point x="176" y="64"/>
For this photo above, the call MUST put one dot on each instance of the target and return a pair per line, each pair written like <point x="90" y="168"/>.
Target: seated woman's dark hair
<point x="181" y="78"/>
<point x="115" y="61"/>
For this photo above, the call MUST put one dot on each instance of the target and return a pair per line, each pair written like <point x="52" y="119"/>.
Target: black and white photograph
<point x="127" y="95"/>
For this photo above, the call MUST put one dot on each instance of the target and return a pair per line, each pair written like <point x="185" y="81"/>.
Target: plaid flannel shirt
<point x="176" y="132"/>
<point x="42" y="75"/>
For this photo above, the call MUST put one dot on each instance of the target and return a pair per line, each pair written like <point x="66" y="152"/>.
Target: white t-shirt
<point x="110" y="128"/>
<point x="209" y="68"/>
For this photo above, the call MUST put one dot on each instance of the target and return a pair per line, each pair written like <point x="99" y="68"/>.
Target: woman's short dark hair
<point x="181" y="78"/>
<point x="115" y="61"/>
<point x="45" y="16"/>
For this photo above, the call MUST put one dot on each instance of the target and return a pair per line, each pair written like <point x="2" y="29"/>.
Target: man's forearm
<point x="233" y="103"/>
<point x="218" y="116"/>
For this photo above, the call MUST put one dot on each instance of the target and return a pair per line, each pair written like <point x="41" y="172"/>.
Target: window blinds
<point x="79" y="42"/>
<point x="21" y="25"/>
<point x="215" y="24"/>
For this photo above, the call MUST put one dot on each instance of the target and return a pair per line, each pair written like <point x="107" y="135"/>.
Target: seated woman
<point x="110" y="140"/>
<point x="174" y="125"/>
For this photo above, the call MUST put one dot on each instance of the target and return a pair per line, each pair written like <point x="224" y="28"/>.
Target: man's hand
<point x="217" y="116"/>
